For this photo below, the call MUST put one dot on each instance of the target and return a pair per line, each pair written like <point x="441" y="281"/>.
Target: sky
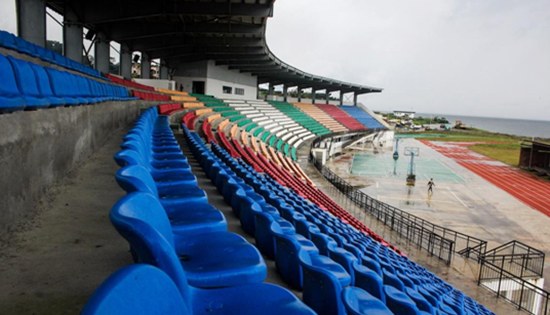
<point x="466" y="57"/>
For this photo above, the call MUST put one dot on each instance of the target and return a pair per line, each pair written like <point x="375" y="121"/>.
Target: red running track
<point x="525" y="187"/>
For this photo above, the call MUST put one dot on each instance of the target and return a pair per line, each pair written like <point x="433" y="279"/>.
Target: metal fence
<point x="518" y="259"/>
<point x="437" y="240"/>
<point x="522" y="293"/>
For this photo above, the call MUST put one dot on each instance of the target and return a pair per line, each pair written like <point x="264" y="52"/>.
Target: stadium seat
<point x="324" y="281"/>
<point x="215" y="259"/>
<point x="136" y="290"/>
<point x="10" y="97"/>
<point x="359" y="302"/>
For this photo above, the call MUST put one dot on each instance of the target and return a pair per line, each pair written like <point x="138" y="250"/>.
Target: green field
<point x="504" y="148"/>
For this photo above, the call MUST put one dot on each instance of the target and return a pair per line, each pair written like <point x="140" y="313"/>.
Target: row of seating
<point x="10" y="41"/>
<point x="300" y="117"/>
<point x="258" y="121"/>
<point x="322" y="117"/>
<point x="169" y="224"/>
<point x="26" y="85"/>
<point x="363" y="117"/>
<point x="342" y="117"/>
<point x="129" y="83"/>
<point x="403" y="286"/>
<point x="151" y="96"/>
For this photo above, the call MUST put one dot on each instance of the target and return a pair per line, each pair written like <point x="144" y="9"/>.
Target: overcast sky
<point x="470" y="57"/>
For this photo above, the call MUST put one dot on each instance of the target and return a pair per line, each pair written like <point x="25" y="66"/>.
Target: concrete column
<point x="163" y="71"/>
<point x="285" y="93"/>
<point x="72" y="36"/>
<point x="125" y="61"/>
<point x="355" y="98"/>
<point x="299" y="90"/>
<point x="313" y="95"/>
<point x="327" y="96"/>
<point x="31" y="21"/>
<point x="101" y="58"/>
<point x="145" y="66"/>
<point x="270" y="91"/>
<point x="341" y="98"/>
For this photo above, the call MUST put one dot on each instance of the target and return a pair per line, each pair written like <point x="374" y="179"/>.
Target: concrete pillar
<point x="299" y="90"/>
<point x="72" y="36"/>
<point x="31" y="21"/>
<point x="327" y="96"/>
<point x="341" y="98"/>
<point x="355" y="98"/>
<point x="285" y="93"/>
<point x="101" y="58"/>
<point x="163" y="71"/>
<point x="145" y="66"/>
<point x="270" y="91"/>
<point x="125" y="61"/>
<point x="313" y="95"/>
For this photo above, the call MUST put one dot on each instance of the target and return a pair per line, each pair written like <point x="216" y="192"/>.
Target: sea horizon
<point x="512" y="126"/>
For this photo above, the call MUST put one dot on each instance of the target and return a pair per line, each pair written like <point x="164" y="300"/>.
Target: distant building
<point x="404" y="114"/>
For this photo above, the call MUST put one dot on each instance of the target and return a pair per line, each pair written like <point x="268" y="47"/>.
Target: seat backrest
<point x="136" y="178"/>
<point x="398" y="302"/>
<point x="26" y="80"/>
<point x="147" y="208"/>
<point x="128" y="157"/>
<point x="42" y="80"/>
<point x="370" y="281"/>
<point x="132" y="216"/>
<point x="7" y="77"/>
<point x="358" y="301"/>
<point x="139" y="290"/>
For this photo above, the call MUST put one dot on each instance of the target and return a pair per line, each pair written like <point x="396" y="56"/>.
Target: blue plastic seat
<point x="137" y="178"/>
<point x="43" y="83"/>
<point x="26" y="81"/>
<point x="10" y="96"/>
<point x="168" y="173"/>
<point x="287" y="247"/>
<point x="213" y="259"/>
<point x="323" y="283"/>
<point x="137" y="290"/>
<point x="359" y="302"/>
<point x="400" y="303"/>
<point x="369" y="281"/>
<point x="7" y="40"/>
<point x="420" y="301"/>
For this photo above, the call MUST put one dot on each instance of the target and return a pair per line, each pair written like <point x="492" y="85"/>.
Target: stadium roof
<point x="230" y="32"/>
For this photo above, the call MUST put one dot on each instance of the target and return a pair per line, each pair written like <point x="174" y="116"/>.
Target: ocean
<point x="518" y="127"/>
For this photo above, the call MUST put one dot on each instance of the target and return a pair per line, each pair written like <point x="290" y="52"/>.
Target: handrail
<point x="522" y="293"/>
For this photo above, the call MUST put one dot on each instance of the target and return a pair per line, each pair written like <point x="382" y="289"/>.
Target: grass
<point x="500" y="147"/>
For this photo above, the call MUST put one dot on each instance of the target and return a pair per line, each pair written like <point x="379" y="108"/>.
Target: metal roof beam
<point x="98" y="15"/>
<point x="133" y="31"/>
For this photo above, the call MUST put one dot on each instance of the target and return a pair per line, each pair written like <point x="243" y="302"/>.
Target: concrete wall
<point x="39" y="148"/>
<point x="158" y="83"/>
<point x="215" y="77"/>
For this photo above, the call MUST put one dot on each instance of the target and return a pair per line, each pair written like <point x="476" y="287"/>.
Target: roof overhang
<point x="232" y="33"/>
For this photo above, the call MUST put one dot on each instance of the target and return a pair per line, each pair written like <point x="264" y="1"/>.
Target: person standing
<point x="430" y="186"/>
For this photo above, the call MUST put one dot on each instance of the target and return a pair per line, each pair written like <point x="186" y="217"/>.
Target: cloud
<point x="487" y="58"/>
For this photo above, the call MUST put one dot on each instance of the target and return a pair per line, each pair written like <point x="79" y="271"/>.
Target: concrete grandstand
<point x="220" y="207"/>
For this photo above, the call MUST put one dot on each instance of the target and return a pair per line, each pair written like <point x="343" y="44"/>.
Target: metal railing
<point x="518" y="259"/>
<point x="437" y="240"/>
<point x="522" y="293"/>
